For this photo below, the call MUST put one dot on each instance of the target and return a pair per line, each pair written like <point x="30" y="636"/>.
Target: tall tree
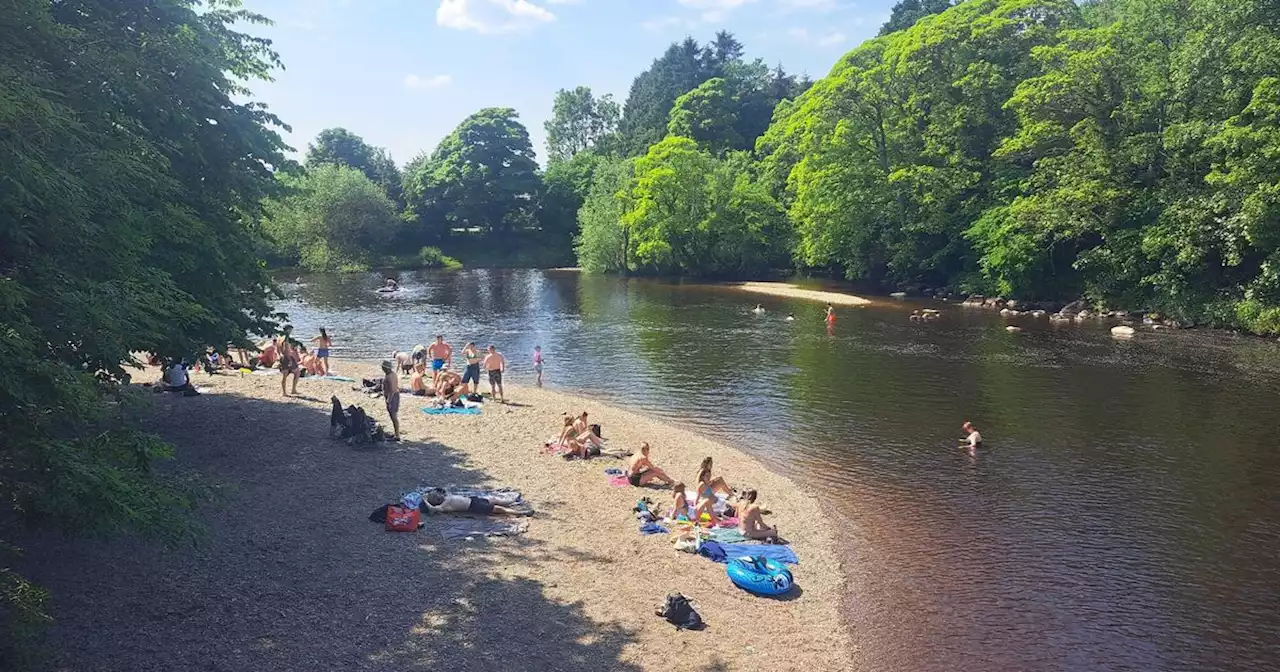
<point x="644" y="116"/>
<point x="341" y="147"/>
<point x="482" y="175"/>
<point x="132" y="168"/>
<point x="332" y="217"/>
<point x="579" y="121"/>
<point x="907" y="12"/>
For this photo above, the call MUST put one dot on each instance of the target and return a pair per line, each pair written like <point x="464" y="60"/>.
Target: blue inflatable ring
<point x="761" y="576"/>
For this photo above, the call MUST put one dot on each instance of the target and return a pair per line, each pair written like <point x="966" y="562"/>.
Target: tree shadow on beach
<point x="291" y="575"/>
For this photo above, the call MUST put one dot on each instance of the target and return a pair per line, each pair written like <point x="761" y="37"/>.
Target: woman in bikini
<point x="323" y="343"/>
<point x="679" y="502"/>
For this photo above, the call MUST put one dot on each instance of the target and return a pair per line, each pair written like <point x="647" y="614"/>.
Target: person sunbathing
<point x="584" y="433"/>
<point x="709" y="486"/>
<point x="418" y="383"/>
<point x="642" y="470"/>
<point x="679" y="502"/>
<point x="750" y="523"/>
<point x="438" y="501"/>
<point x="448" y="386"/>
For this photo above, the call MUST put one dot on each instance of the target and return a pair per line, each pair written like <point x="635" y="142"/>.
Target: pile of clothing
<point x="354" y="426"/>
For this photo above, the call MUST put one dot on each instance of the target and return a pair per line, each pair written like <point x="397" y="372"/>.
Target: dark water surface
<point x="1125" y="515"/>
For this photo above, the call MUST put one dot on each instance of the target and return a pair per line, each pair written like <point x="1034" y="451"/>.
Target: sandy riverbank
<point x="293" y="576"/>
<point x="791" y="291"/>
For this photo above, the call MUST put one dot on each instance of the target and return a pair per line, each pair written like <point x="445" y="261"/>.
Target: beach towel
<point x="718" y="552"/>
<point x="500" y="496"/>
<point x="452" y="411"/>
<point x="725" y="536"/>
<point x="483" y="527"/>
<point x="267" y="372"/>
<point x="340" y="379"/>
<point x="619" y="482"/>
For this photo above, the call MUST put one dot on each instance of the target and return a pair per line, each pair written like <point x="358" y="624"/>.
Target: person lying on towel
<point x="438" y="501"/>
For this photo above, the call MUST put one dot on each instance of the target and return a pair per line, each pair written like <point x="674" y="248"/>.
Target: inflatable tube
<point x="759" y="575"/>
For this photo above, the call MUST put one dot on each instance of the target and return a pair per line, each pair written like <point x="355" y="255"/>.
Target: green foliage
<point x="687" y="212"/>
<point x="564" y="188"/>
<point x="132" y="174"/>
<point x="481" y="176"/>
<point x="338" y="146"/>
<point x="603" y="246"/>
<point x="579" y="121"/>
<point x="432" y="257"/>
<point x="907" y="12"/>
<point x="333" y="218"/>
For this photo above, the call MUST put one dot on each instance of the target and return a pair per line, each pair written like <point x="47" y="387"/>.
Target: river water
<point x="1124" y="515"/>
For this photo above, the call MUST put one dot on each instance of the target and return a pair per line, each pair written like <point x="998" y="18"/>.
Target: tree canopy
<point x="332" y="217"/>
<point x="579" y="121"/>
<point x="133" y="172"/>
<point x="341" y="147"/>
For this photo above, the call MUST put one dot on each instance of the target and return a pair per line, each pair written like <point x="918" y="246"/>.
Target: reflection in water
<point x="1126" y="513"/>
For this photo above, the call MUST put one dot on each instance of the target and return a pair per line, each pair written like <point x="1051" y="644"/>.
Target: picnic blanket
<point x="462" y="528"/>
<point x="451" y="411"/>
<point x="718" y="552"/>
<point x="500" y="496"/>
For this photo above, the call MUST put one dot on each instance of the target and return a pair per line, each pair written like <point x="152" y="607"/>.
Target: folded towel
<point x="451" y="411"/>
<point x="719" y="552"/>
<point x="652" y="528"/>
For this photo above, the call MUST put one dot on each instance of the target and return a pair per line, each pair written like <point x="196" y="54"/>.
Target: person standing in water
<point x="831" y="315"/>
<point x="537" y="363"/>
<point x="973" y="438"/>
<point x="472" y="373"/>
<point x="391" y="392"/>
<point x="323" y="343"/>
<point x="495" y="364"/>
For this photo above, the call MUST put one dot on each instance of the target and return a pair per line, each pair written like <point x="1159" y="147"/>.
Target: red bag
<point x="400" y="519"/>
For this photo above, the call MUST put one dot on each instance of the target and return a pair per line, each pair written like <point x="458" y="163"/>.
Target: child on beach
<point x="537" y="363"/>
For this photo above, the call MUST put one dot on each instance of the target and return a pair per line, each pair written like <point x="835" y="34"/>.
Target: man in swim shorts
<point x="642" y="471"/>
<point x="391" y="392"/>
<point x="440" y="353"/>
<point x="495" y="364"/>
<point x="438" y="501"/>
<point x="471" y="376"/>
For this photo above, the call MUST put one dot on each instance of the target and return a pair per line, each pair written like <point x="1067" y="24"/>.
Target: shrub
<point x="432" y="257"/>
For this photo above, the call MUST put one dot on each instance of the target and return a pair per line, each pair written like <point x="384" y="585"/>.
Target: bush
<point x="432" y="257"/>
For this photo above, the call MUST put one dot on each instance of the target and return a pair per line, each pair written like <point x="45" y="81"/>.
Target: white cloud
<point x="799" y="33"/>
<point x="813" y="5"/>
<point x="491" y="17"/>
<point x="563" y="2"/>
<point x="668" y="22"/>
<point x="832" y="39"/>
<point x="412" y="81"/>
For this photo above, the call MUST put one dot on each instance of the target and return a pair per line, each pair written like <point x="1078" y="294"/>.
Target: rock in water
<point x="1012" y="329"/>
<point x="1122" y="331"/>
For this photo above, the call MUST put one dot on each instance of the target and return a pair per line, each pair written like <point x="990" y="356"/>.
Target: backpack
<point x="680" y="612"/>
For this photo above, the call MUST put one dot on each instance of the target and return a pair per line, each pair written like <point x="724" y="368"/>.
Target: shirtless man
<point x="471" y="375"/>
<point x="449" y="385"/>
<point x="403" y="361"/>
<point x="495" y="364"/>
<point x="438" y="501"/>
<point x="750" y="524"/>
<point x="440" y="354"/>
<point x="642" y="471"/>
<point x="418" y="383"/>
<point x="391" y="392"/>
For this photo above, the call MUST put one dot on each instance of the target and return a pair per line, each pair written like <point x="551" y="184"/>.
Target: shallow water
<point x="1124" y="515"/>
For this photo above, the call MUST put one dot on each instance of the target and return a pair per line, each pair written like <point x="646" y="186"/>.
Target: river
<point x="1125" y="513"/>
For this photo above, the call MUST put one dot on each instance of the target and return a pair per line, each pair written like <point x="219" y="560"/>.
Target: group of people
<point x="712" y="499"/>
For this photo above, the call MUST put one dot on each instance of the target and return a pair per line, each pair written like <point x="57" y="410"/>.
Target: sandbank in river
<point x="292" y="576"/>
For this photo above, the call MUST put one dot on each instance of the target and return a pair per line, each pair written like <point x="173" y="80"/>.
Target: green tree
<point x="579" y="121"/>
<point x="482" y="175"/>
<point x="645" y="114"/>
<point x="907" y="12"/>
<point x="341" y="147"/>
<point x="564" y="188"/>
<point x="132" y="172"/>
<point x="730" y="112"/>
<point x="334" y="217"/>
<point x="602" y="244"/>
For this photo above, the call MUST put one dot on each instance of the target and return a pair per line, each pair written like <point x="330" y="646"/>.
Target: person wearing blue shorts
<point x="440" y="353"/>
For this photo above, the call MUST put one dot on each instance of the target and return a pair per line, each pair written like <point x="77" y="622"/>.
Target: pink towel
<point x="619" y="482"/>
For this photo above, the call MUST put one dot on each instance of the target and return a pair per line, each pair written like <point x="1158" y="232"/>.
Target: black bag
<point x="680" y="612"/>
<point x="595" y="429"/>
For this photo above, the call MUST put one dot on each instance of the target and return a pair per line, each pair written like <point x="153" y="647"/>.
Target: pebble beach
<point x="291" y="575"/>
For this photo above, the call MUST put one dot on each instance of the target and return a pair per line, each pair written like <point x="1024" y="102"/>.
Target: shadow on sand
<point x="291" y="575"/>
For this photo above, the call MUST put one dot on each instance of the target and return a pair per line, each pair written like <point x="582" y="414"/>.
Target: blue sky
<point x="403" y="73"/>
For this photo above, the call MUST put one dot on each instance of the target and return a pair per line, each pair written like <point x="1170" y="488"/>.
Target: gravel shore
<point x="791" y="291"/>
<point x="291" y="575"/>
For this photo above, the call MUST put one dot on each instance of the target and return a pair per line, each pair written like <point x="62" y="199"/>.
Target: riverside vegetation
<point x="1126" y="151"/>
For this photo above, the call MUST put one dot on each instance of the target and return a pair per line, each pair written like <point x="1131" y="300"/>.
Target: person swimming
<point x="791" y="317"/>
<point x="758" y="309"/>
